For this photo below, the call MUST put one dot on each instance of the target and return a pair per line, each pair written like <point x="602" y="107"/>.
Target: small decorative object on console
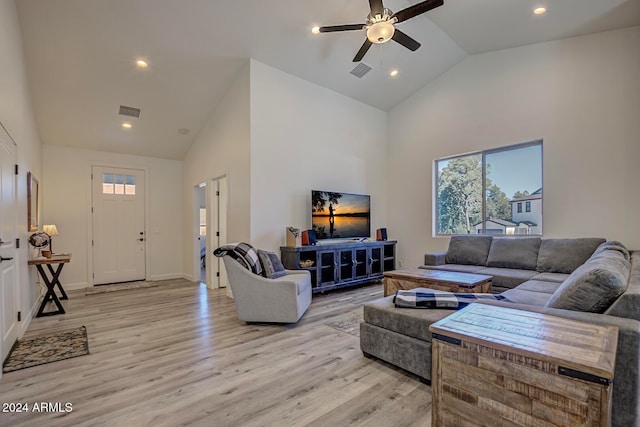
<point x="293" y="237"/>
<point x="306" y="263"/>
<point x="39" y="240"/>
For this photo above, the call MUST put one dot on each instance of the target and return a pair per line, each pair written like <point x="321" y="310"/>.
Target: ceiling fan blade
<point x="363" y="50"/>
<point x="405" y="40"/>
<point x="376" y="7"/>
<point x="348" y="27"/>
<point x="334" y="28"/>
<point x="417" y="9"/>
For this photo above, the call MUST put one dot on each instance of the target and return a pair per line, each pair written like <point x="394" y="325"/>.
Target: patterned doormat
<point x="100" y="289"/>
<point x="349" y="322"/>
<point x="47" y="348"/>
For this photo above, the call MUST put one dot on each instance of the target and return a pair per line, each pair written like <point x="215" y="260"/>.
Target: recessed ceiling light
<point x="126" y="125"/>
<point x="141" y="63"/>
<point x="393" y="73"/>
<point x="539" y="10"/>
<point x="315" y="30"/>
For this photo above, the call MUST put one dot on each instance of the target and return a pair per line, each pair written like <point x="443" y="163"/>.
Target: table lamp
<point x="51" y="231"/>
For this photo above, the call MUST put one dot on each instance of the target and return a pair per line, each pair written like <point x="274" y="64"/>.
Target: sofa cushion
<point x="613" y="245"/>
<point x="539" y="286"/>
<point x="520" y="253"/>
<point x="271" y="265"/>
<point x="551" y="277"/>
<point x="523" y="296"/>
<point x="595" y="285"/>
<point x="470" y="250"/>
<point x="413" y="323"/>
<point x="628" y="304"/>
<point x="565" y="255"/>
<point x="506" y="278"/>
<point x="460" y="268"/>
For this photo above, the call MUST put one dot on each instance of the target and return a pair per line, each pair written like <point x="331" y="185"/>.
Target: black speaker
<point x="381" y="234"/>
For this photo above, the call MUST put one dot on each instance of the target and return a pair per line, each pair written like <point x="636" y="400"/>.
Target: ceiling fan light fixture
<point x="380" y="32"/>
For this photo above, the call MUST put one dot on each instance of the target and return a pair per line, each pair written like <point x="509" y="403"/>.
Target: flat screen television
<point x="340" y="215"/>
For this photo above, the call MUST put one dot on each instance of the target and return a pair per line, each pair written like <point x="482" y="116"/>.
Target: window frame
<point x="483" y="154"/>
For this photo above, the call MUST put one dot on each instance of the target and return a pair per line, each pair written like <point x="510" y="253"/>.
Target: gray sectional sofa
<point x="587" y="280"/>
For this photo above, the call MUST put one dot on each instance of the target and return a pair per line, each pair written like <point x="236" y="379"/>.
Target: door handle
<point x="5" y="259"/>
<point x="2" y="242"/>
<point x="141" y="240"/>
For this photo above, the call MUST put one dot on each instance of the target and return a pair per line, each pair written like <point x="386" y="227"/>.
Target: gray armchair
<point x="258" y="299"/>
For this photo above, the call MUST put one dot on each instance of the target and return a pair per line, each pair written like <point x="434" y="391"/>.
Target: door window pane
<point x="107" y="183"/>
<point x="119" y="184"/>
<point x="130" y="185"/>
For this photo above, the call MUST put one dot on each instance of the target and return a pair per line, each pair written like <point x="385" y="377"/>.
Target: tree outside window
<point x="482" y="192"/>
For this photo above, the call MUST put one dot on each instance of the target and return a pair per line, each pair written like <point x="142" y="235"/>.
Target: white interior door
<point x="8" y="252"/>
<point x="118" y="225"/>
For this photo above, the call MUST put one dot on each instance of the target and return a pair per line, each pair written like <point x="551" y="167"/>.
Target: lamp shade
<point x="380" y="32"/>
<point x="50" y="229"/>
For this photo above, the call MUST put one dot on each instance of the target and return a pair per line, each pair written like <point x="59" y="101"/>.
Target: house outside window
<point x="483" y="192"/>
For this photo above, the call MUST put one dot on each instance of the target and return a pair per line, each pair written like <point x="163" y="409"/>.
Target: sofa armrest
<point x="298" y="272"/>
<point x="626" y="390"/>
<point x="435" y="258"/>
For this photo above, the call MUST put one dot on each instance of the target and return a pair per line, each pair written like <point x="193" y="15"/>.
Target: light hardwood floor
<point x="178" y="355"/>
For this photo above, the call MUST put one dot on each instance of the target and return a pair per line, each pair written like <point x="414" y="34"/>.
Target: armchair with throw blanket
<point x="263" y="290"/>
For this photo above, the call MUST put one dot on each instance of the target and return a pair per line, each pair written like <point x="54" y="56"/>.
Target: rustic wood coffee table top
<point x="461" y="279"/>
<point x="450" y="281"/>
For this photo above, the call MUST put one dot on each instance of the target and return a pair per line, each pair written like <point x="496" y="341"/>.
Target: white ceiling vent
<point x="360" y="70"/>
<point x="129" y="111"/>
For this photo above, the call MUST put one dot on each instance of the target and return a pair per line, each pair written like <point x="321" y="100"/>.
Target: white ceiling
<point x="80" y="56"/>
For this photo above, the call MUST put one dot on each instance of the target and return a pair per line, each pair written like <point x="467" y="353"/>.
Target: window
<point x="118" y="184"/>
<point x="483" y="192"/>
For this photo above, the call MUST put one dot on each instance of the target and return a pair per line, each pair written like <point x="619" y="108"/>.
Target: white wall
<point x="16" y="113"/>
<point x="222" y="148"/>
<point x="66" y="189"/>
<point x="306" y="137"/>
<point x="581" y="95"/>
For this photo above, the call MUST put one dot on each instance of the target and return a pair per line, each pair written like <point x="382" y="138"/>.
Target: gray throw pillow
<point x="514" y="252"/>
<point x="271" y="264"/>
<point x="614" y="245"/>
<point x="565" y="255"/>
<point x="470" y="250"/>
<point x="595" y="285"/>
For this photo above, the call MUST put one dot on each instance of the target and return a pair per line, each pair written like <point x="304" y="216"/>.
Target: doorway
<point x="118" y="223"/>
<point x="210" y="200"/>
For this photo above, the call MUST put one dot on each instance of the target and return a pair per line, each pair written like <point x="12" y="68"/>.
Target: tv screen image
<point x="340" y="215"/>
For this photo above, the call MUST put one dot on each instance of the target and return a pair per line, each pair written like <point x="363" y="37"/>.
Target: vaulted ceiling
<point x="80" y="56"/>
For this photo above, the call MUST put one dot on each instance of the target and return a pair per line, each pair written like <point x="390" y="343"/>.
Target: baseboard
<point x="159" y="277"/>
<point x="74" y="286"/>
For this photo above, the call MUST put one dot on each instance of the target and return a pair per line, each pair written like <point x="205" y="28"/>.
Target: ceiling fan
<point x="380" y="25"/>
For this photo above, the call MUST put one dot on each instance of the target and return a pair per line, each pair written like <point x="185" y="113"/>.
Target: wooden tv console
<point x="337" y="265"/>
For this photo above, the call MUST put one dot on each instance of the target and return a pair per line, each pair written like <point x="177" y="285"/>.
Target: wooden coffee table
<point x="435" y="279"/>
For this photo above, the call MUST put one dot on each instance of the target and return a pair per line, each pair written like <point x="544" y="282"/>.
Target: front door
<point x="8" y="251"/>
<point x="118" y="225"/>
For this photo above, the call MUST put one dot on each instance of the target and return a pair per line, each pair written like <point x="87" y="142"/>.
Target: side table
<point x="51" y="281"/>
<point x="494" y="365"/>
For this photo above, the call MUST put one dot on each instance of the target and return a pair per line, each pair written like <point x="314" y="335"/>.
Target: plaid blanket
<point x="244" y="253"/>
<point x="427" y="298"/>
